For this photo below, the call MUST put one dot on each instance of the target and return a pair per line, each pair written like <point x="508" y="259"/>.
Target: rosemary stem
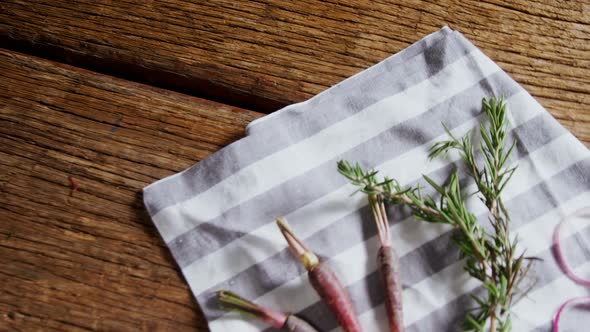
<point x="406" y="200"/>
<point x="493" y="322"/>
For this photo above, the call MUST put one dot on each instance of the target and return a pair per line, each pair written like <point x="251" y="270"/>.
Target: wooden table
<point x="91" y="259"/>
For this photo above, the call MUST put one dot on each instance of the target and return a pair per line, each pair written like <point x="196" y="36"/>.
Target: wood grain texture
<point x="93" y="261"/>
<point x="287" y="51"/>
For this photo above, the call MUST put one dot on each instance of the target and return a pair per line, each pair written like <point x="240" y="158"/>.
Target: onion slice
<point x="560" y="257"/>
<point x="563" y="306"/>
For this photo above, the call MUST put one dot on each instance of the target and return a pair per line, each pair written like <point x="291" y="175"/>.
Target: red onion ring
<point x="562" y="307"/>
<point x="560" y="257"/>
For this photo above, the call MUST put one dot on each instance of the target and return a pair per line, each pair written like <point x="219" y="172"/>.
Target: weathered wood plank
<point x="287" y="51"/>
<point x="93" y="261"/>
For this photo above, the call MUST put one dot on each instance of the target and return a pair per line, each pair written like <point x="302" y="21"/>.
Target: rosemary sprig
<point x="490" y="256"/>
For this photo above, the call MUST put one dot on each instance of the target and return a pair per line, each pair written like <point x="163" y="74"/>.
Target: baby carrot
<point x="324" y="281"/>
<point x="285" y="322"/>
<point x="388" y="263"/>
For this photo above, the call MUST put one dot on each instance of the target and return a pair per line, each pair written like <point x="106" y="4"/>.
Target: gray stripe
<point x="383" y="80"/>
<point x="547" y="327"/>
<point x="450" y="317"/>
<point x="426" y="260"/>
<point x="265" y="275"/>
<point x="296" y="192"/>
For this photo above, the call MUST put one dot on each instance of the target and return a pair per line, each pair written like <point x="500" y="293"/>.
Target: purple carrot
<point x="388" y="263"/>
<point x="285" y="322"/>
<point x="324" y="281"/>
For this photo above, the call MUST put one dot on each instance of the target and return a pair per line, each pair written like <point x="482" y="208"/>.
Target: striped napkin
<point x="217" y="217"/>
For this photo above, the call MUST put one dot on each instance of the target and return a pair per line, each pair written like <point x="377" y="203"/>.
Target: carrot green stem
<point x="243" y="306"/>
<point x="381" y="220"/>
<point x="305" y="255"/>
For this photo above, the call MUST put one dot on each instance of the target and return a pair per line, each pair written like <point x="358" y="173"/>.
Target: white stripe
<point x="449" y="284"/>
<point x="323" y="146"/>
<point x="249" y="250"/>
<point x="357" y="262"/>
<point x="541" y="305"/>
